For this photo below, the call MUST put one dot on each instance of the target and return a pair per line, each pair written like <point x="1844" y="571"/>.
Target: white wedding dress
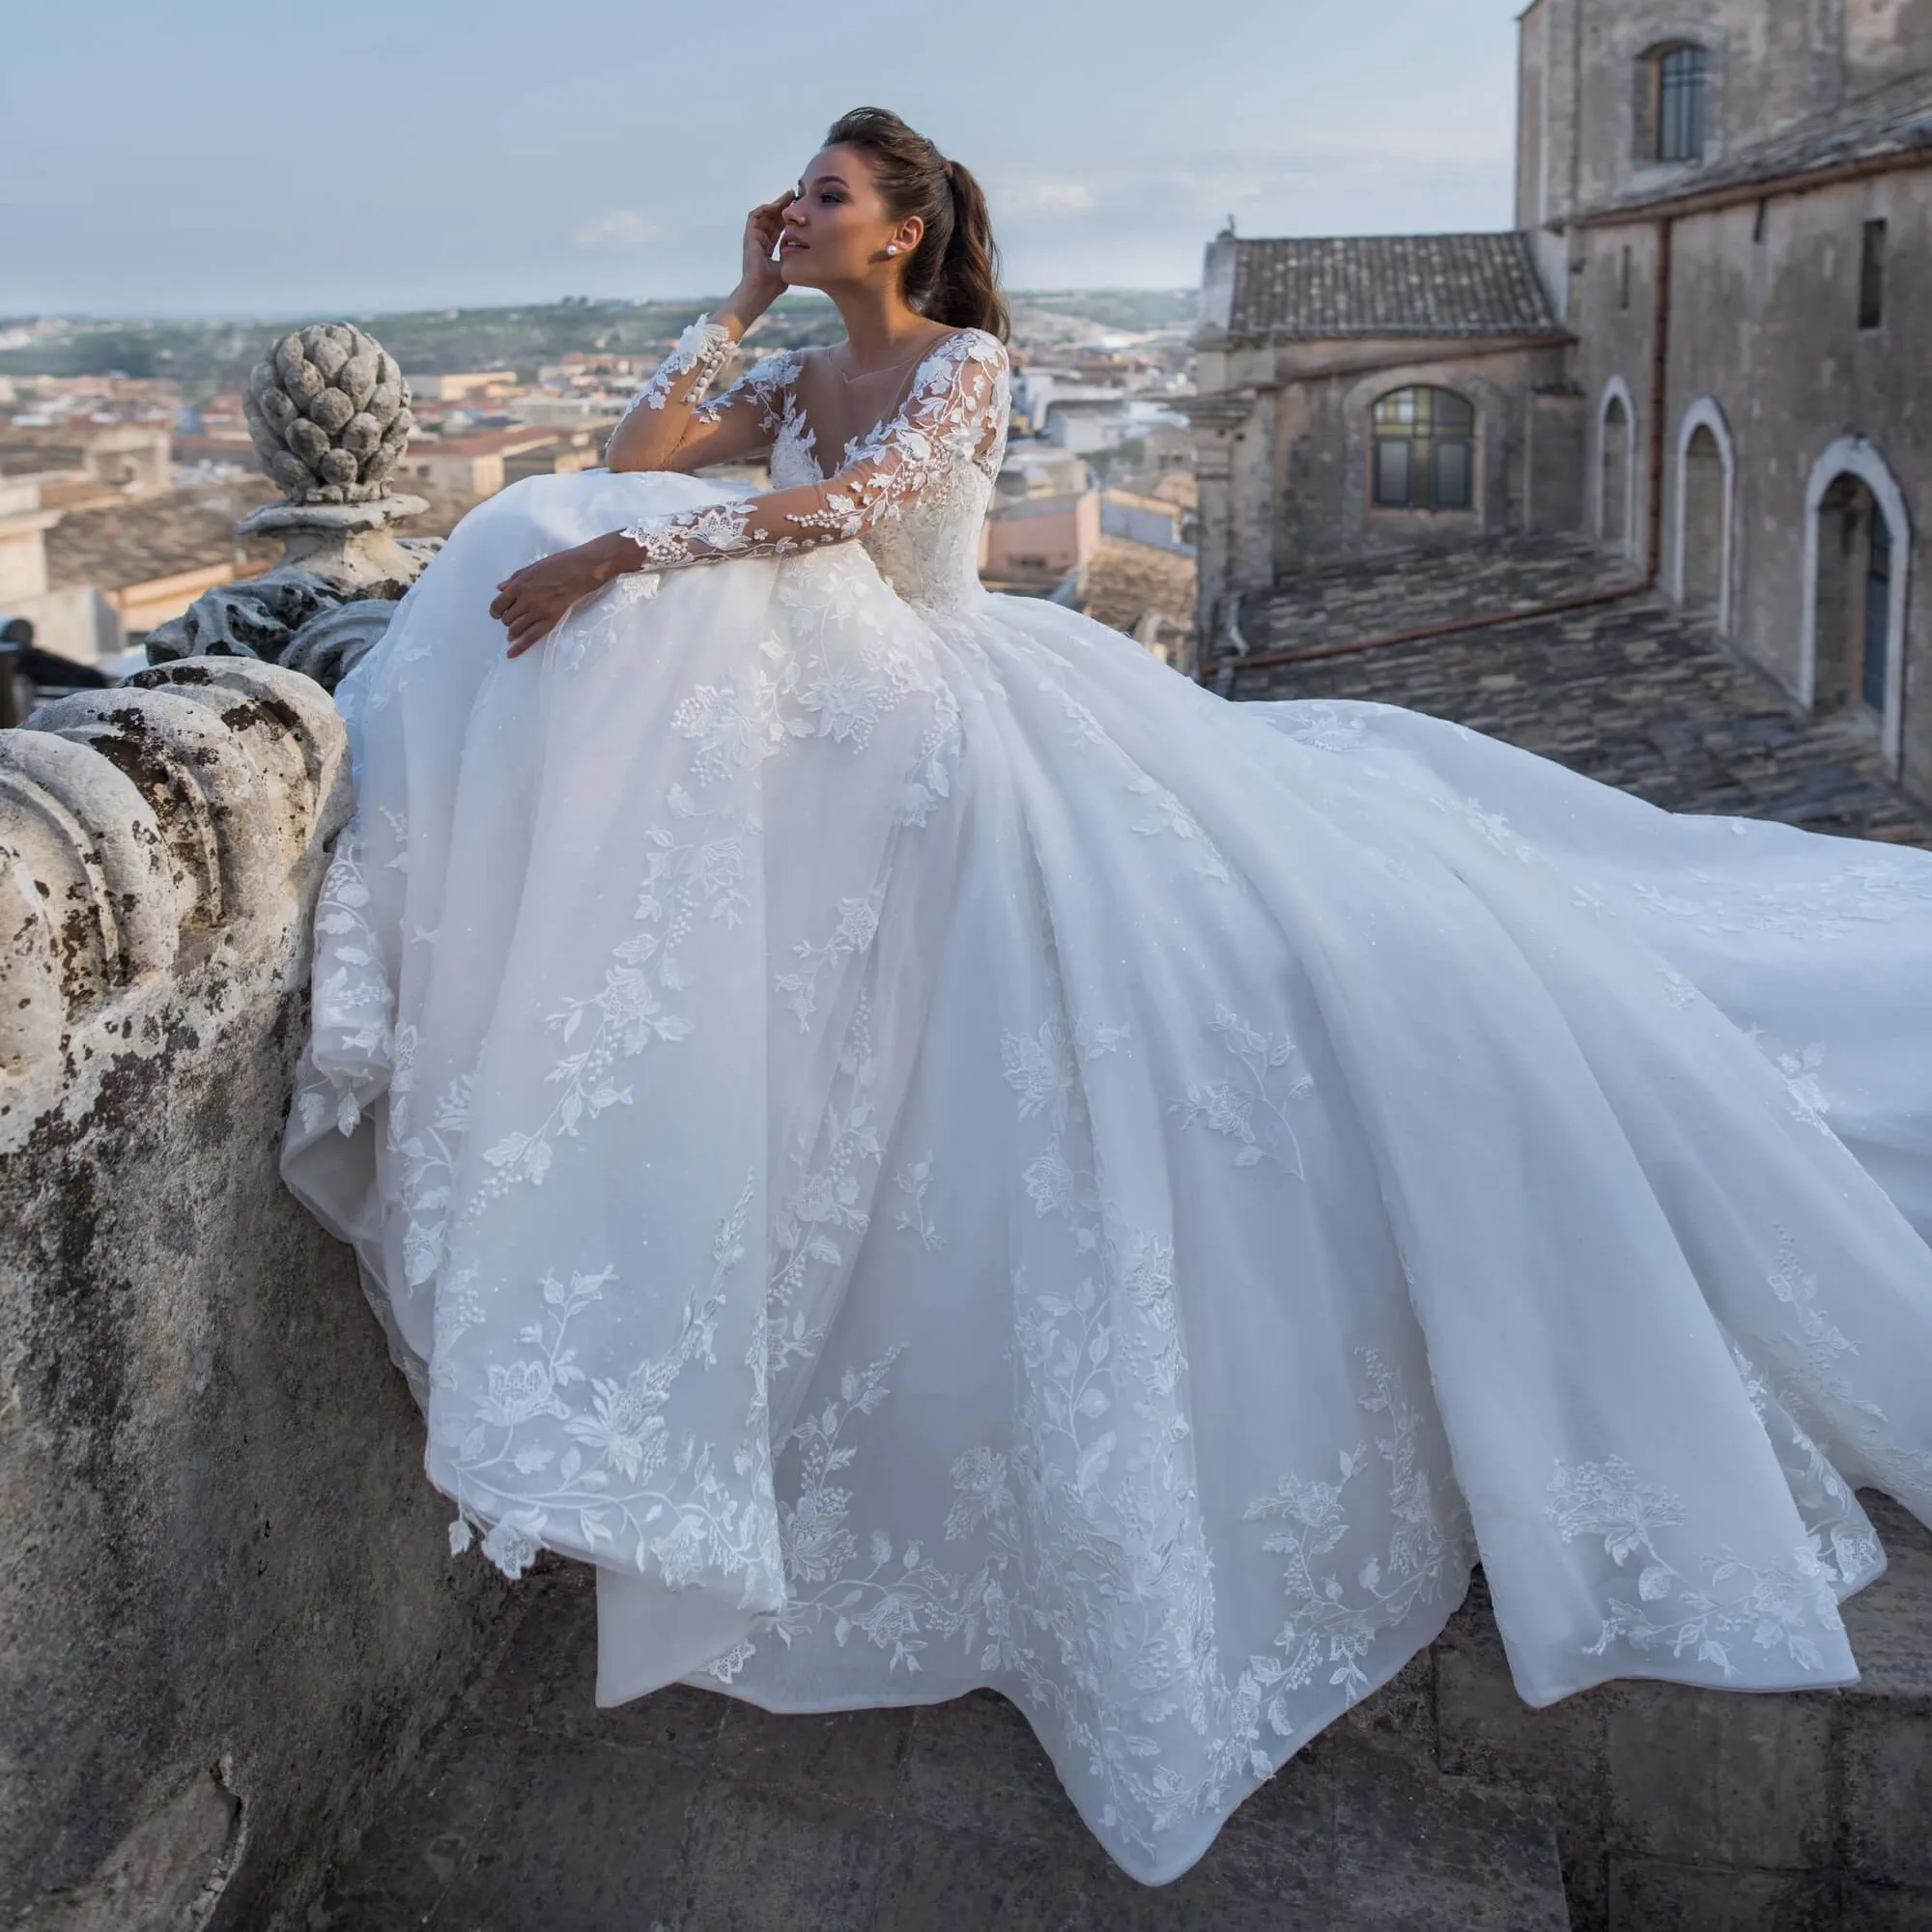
<point x="936" y="1152"/>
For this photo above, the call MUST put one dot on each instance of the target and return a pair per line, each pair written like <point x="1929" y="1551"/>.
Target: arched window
<point x="1673" y="101"/>
<point x="1425" y="450"/>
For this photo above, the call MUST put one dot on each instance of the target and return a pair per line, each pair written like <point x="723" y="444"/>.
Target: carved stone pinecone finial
<point x="329" y="414"/>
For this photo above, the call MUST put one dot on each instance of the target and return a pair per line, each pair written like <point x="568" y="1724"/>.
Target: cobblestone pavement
<point x="685" y="1812"/>
<point x="1632" y="694"/>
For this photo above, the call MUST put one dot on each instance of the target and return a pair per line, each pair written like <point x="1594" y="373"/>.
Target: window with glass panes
<point x="1681" y="78"/>
<point x="1425" y="450"/>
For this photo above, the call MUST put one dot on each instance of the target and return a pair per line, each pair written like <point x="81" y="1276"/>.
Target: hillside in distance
<point x="205" y="357"/>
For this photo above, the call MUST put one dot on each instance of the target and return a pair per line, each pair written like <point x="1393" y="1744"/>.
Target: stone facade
<point x="1298" y="343"/>
<point x="1735" y="406"/>
<point x="1756" y="431"/>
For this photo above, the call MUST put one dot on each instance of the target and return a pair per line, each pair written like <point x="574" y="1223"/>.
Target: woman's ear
<point x="907" y="235"/>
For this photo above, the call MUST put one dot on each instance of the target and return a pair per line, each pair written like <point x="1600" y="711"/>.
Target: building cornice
<point x="1741" y="194"/>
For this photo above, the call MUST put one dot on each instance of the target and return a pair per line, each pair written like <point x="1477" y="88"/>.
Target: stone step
<point x="1710" y="1809"/>
<point x="693" y="1812"/>
<point x="1443" y="1801"/>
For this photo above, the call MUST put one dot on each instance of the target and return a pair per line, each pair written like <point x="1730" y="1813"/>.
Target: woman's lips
<point x="790" y="246"/>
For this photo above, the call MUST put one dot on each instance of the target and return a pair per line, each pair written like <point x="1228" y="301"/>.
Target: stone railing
<point x="227" y="1612"/>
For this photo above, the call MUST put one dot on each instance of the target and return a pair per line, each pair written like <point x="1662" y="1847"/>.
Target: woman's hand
<point x="760" y="284"/>
<point x="532" y="601"/>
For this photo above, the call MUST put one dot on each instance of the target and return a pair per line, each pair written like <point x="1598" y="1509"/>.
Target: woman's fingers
<point x="528" y="624"/>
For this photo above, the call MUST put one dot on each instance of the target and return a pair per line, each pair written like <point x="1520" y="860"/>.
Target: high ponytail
<point x="953" y="274"/>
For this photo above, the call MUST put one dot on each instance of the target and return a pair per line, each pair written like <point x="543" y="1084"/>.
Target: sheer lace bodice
<point x="928" y="550"/>
<point x="913" y="490"/>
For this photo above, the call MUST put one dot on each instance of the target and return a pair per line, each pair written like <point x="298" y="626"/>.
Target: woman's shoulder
<point x="963" y="345"/>
<point x="977" y="345"/>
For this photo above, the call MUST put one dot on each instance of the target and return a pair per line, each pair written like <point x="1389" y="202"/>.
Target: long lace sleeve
<point x="668" y="425"/>
<point x="954" y="412"/>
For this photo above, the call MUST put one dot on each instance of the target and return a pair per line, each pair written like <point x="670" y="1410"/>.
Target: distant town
<point x="125" y="462"/>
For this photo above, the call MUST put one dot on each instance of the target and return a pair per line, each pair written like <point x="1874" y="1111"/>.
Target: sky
<point x="226" y="158"/>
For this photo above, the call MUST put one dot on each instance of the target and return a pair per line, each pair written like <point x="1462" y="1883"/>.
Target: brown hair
<point x="953" y="274"/>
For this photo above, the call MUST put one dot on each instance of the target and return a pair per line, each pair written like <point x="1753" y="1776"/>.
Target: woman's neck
<point x="880" y="330"/>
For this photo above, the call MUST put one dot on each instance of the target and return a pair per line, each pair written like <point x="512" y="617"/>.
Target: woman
<point x="936" y="1152"/>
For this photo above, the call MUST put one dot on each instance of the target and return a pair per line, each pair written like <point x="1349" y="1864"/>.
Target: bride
<point x="935" y="1152"/>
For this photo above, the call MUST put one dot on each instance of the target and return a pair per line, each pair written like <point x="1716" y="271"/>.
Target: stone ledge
<point x="170" y="829"/>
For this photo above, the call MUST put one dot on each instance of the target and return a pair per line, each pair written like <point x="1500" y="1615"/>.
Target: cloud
<point x="1027" y="199"/>
<point x="626" y="228"/>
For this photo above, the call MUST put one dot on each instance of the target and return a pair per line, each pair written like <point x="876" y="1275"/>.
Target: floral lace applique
<point x="1325" y="724"/>
<point x="1052" y="1556"/>
<point x="1236" y="1110"/>
<point x="1072" y="1561"/>
<point x="696" y="354"/>
<point x="547" y="1440"/>
<point x="914" y="1181"/>
<point x="825" y="1202"/>
<point x="1858" y="894"/>
<point x="1837" y="1527"/>
<point x="1170" y="816"/>
<point x="1330" y="1625"/>
<point x="1810" y="1357"/>
<point x="766" y="386"/>
<point x="1784" y="1607"/>
<point x="352" y="995"/>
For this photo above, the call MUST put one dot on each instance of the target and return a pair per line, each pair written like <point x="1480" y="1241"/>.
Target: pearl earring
<point x="891" y="248"/>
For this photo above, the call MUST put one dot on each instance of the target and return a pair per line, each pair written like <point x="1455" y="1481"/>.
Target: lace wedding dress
<point x="936" y="1152"/>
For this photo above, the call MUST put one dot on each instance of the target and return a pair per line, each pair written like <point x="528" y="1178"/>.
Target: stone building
<point x="1378" y="395"/>
<point x="1728" y="204"/>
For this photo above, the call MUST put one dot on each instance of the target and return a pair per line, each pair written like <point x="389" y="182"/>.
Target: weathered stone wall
<point x="1319" y="501"/>
<point x="1769" y="66"/>
<point x="1765" y="345"/>
<point x="1282" y="441"/>
<point x="1883" y="38"/>
<point x="227" y="1612"/>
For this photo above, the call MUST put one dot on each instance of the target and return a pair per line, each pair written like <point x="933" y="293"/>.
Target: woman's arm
<point x="952" y="414"/>
<point x="955" y="414"/>
<point x="665" y="428"/>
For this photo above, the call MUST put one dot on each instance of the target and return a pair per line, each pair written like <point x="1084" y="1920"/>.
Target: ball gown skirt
<point x="937" y="1152"/>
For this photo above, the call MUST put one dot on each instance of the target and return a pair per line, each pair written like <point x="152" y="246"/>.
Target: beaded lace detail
<point x="697" y="356"/>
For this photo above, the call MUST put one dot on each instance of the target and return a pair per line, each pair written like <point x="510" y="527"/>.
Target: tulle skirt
<point x="937" y="1152"/>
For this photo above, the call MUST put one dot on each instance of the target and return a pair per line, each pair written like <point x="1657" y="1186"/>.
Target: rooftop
<point x="483" y="441"/>
<point x="1376" y="285"/>
<point x="1126" y="581"/>
<point x="149" y="537"/>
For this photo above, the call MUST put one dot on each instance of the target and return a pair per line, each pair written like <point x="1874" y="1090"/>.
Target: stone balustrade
<point x="227" y="1612"/>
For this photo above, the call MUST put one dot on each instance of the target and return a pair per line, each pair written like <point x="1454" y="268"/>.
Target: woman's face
<point x="839" y="228"/>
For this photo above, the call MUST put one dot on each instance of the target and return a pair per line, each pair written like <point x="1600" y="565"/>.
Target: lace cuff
<point x="696" y="354"/>
<point x="715" y="531"/>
